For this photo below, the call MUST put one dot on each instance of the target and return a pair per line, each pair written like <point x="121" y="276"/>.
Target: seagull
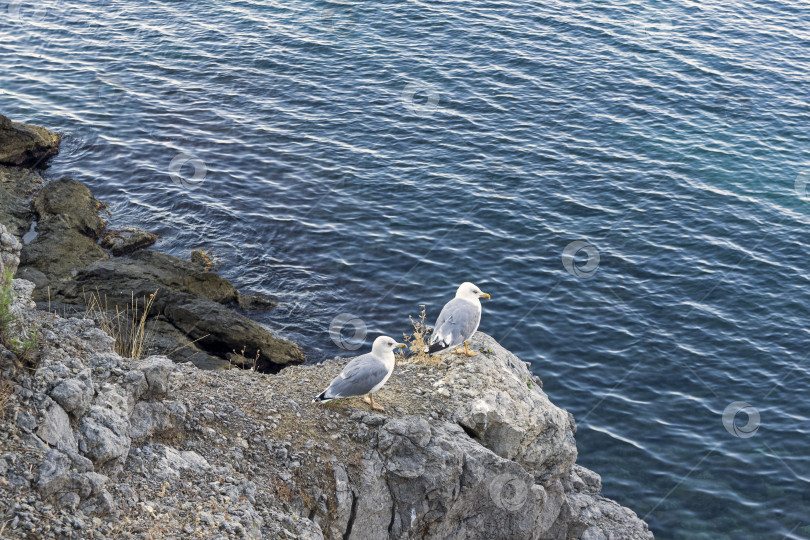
<point x="365" y="374"/>
<point x="458" y="320"/>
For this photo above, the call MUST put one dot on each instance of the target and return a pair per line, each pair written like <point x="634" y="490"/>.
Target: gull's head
<point x="470" y="292"/>
<point x="384" y="345"/>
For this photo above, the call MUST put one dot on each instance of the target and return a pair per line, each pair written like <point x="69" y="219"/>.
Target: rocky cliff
<point x="94" y="445"/>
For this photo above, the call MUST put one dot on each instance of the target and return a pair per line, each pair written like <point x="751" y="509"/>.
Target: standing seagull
<point x="365" y="374"/>
<point x="458" y="320"/>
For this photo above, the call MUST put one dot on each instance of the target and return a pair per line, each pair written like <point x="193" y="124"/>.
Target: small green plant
<point x="529" y="383"/>
<point x="23" y="342"/>
<point x="6" y="298"/>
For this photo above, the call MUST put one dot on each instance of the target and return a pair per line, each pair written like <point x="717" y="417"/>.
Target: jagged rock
<point x="10" y="249"/>
<point x="55" y="427"/>
<point x="54" y="473"/>
<point x="25" y="144"/>
<point x="149" y="418"/>
<point x="253" y="302"/>
<point x="104" y="438"/>
<point x="509" y="417"/>
<point x="157" y="370"/>
<point x="74" y="395"/>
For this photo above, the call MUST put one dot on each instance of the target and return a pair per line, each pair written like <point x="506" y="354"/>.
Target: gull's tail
<point x="435" y="347"/>
<point x="321" y="398"/>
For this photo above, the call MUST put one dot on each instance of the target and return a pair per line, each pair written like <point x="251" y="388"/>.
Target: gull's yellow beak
<point x="400" y="346"/>
<point x="485" y="295"/>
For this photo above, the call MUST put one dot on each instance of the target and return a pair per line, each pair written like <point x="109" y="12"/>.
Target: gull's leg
<point x="469" y="352"/>
<point x="368" y="400"/>
<point x="374" y="405"/>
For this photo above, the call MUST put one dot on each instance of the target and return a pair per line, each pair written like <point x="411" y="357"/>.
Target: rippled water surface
<point x="367" y="157"/>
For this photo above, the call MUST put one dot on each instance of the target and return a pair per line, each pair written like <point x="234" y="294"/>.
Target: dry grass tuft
<point x="127" y="327"/>
<point x="417" y="342"/>
<point x="6" y="393"/>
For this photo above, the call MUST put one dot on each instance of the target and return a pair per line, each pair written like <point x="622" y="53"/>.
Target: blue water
<point x="365" y="158"/>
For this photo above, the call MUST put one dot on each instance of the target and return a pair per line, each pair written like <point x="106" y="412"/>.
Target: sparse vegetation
<point x="129" y="327"/>
<point x="14" y="336"/>
<point x="243" y="361"/>
<point x="417" y="342"/>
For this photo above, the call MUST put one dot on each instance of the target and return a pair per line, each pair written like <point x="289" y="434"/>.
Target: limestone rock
<point x="150" y="417"/>
<point x="54" y="473"/>
<point x="10" y="249"/>
<point x="55" y="427"/>
<point x="157" y="370"/>
<point x="75" y="394"/>
<point x="104" y="438"/>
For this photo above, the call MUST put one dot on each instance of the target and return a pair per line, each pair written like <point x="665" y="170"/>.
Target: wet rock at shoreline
<point x="68" y="227"/>
<point x="24" y="144"/>
<point x="190" y="299"/>
<point x="124" y="241"/>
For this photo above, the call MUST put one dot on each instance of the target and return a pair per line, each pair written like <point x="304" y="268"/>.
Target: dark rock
<point x="24" y="144"/>
<point x="68" y="229"/>
<point x="16" y="186"/>
<point x="202" y="259"/>
<point x="125" y="241"/>
<point x="253" y="302"/>
<point x="189" y="299"/>
<point x="68" y="204"/>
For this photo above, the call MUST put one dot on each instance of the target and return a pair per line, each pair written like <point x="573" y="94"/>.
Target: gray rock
<point x="513" y="420"/>
<point x="55" y="427"/>
<point x="10" y="249"/>
<point x="54" y="473"/>
<point x="104" y="438"/>
<point x="157" y="370"/>
<point x="75" y="395"/>
<point x="149" y="418"/>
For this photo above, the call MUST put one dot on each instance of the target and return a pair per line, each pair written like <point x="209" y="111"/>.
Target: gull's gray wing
<point x="456" y="324"/>
<point x="357" y="378"/>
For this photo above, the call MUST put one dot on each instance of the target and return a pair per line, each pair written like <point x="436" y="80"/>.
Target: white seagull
<point x="365" y="374"/>
<point x="458" y="320"/>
